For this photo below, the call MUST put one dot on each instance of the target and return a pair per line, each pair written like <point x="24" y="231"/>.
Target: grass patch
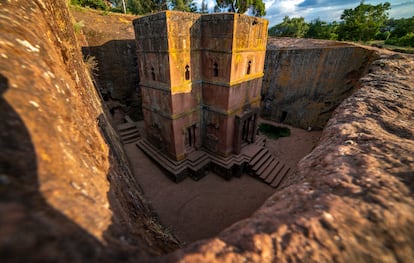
<point x="274" y="132"/>
<point x="92" y="65"/>
<point x="78" y="26"/>
<point x="381" y="43"/>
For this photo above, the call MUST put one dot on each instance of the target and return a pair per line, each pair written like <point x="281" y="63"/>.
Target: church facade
<point x="200" y="78"/>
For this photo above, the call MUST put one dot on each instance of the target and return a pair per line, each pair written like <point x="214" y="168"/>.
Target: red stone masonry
<point x="201" y="77"/>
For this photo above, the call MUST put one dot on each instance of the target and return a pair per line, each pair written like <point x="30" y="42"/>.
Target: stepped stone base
<point x="128" y="132"/>
<point x="254" y="160"/>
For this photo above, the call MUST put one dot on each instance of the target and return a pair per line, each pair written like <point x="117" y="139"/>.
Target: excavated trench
<point x="69" y="193"/>
<point x="305" y="80"/>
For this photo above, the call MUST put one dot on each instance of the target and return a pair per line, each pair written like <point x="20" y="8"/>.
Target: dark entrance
<point x="245" y="132"/>
<point x="190" y="138"/>
<point x="283" y="117"/>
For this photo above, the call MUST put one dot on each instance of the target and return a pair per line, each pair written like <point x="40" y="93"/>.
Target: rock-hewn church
<point x="200" y="78"/>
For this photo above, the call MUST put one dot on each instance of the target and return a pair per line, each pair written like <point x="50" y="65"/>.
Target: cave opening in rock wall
<point x="283" y="116"/>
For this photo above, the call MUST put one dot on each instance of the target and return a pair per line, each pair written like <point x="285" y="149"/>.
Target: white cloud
<point x="327" y="10"/>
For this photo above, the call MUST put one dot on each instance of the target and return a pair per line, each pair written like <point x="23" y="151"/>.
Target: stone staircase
<point x="128" y="132"/>
<point x="194" y="165"/>
<point x="174" y="168"/>
<point x="264" y="165"/>
<point x="260" y="163"/>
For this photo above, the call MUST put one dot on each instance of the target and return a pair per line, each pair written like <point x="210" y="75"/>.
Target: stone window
<point x="190" y="136"/>
<point x="249" y="66"/>
<point x="187" y="72"/>
<point x="153" y="73"/>
<point x="215" y="69"/>
<point x="145" y="70"/>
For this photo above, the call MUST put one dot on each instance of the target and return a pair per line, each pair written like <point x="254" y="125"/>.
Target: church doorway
<point x="190" y="138"/>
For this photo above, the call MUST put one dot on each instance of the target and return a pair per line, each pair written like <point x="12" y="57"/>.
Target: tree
<point x="256" y="7"/>
<point x="401" y="32"/>
<point x="141" y="7"/>
<point x="400" y="27"/>
<point x="183" y="5"/>
<point x="290" y="27"/>
<point x="96" y="4"/>
<point x="203" y="8"/>
<point x="363" y="22"/>
<point x="321" y="30"/>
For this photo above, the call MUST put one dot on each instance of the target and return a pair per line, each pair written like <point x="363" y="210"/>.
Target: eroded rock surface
<point x="66" y="192"/>
<point x="67" y="195"/>
<point x="110" y="43"/>
<point x="305" y="79"/>
<point x="352" y="201"/>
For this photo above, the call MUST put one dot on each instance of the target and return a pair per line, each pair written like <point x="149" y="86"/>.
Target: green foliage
<point x="139" y="7"/>
<point x="321" y="30"/>
<point x="96" y="4"/>
<point x="204" y="7"/>
<point x="184" y="5"/>
<point x="274" y="132"/>
<point x="290" y="27"/>
<point x="363" y="22"/>
<point x="404" y="41"/>
<point x="401" y="27"/>
<point x="256" y="7"/>
<point x="78" y="26"/>
<point x="91" y="64"/>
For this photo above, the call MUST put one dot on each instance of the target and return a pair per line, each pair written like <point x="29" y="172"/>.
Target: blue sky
<point x="327" y="10"/>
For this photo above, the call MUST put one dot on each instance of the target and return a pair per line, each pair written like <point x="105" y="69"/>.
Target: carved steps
<point x="276" y="182"/>
<point x="259" y="161"/>
<point x="128" y="132"/>
<point x="266" y="167"/>
<point x="258" y="156"/>
<point x="260" y="141"/>
<point x="269" y="169"/>
<point x="174" y="168"/>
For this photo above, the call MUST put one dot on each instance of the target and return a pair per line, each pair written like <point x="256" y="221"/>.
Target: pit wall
<point x="351" y="199"/>
<point x="66" y="192"/>
<point x="303" y="86"/>
<point x="110" y="50"/>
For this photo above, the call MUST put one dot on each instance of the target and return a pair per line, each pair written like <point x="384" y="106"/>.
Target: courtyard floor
<point x="197" y="210"/>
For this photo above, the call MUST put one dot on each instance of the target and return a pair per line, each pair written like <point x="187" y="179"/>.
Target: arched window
<point x="153" y="73"/>
<point x="215" y="70"/>
<point x="145" y="70"/>
<point x="249" y="66"/>
<point x="187" y="72"/>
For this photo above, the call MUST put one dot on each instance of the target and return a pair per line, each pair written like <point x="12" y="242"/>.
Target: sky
<point x="326" y="10"/>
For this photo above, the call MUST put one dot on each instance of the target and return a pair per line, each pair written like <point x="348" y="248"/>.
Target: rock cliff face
<point x="66" y="192"/>
<point x="305" y="80"/>
<point x="110" y="40"/>
<point x="353" y="196"/>
<point x="67" y="195"/>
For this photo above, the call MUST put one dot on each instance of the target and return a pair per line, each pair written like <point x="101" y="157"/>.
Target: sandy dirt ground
<point x="197" y="210"/>
<point x="292" y="149"/>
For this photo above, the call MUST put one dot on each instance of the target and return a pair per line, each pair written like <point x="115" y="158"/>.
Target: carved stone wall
<point x="214" y="66"/>
<point x="303" y="85"/>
